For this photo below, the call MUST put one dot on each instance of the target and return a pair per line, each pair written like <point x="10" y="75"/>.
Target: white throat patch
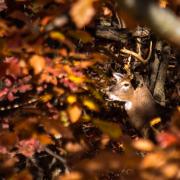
<point x="128" y="105"/>
<point x="113" y="97"/>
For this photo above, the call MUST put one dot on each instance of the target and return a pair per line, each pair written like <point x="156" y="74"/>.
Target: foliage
<point x="55" y="120"/>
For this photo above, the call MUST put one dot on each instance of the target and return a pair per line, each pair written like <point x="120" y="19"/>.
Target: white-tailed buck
<point x="139" y="103"/>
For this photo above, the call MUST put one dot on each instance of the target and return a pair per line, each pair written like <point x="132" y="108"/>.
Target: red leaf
<point x="13" y="66"/>
<point x="29" y="147"/>
<point x="166" y="139"/>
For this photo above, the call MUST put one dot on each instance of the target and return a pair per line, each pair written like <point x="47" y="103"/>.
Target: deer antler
<point x="138" y="55"/>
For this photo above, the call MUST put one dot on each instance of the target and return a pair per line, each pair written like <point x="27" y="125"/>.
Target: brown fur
<point x="143" y="106"/>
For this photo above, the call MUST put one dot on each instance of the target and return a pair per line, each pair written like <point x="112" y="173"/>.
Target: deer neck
<point x="141" y="107"/>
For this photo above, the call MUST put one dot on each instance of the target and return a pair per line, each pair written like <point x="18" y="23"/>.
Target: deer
<point x="138" y="102"/>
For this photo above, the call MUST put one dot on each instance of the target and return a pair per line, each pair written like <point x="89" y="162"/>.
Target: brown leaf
<point x="25" y="174"/>
<point x="75" y="175"/>
<point x="7" y="139"/>
<point x="106" y="161"/>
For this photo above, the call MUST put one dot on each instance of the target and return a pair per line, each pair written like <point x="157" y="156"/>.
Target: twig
<point x="62" y="160"/>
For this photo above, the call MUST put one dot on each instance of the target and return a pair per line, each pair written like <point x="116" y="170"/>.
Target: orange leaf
<point x="74" y="113"/>
<point x="44" y="139"/>
<point x="82" y="12"/>
<point x="37" y="63"/>
<point x="143" y="145"/>
<point x="7" y="139"/>
<point x="83" y="64"/>
<point x="163" y="3"/>
<point x="25" y="174"/>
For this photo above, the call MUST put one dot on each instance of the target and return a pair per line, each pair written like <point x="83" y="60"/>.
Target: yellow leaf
<point x="76" y="79"/>
<point x="46" y="97"/>
<point x="74" y="113"/>
<point x="112" y="129"/>
<point x="71" y="99"/>
<point x="37" y="63"/>
<point x="90" y="105"/>
<point x="57" y="36"/>
<point x="86" y="118"/>
<point x="81" y="35"/>
<point x="64" y="118"/>
<point x="155" y="121"/>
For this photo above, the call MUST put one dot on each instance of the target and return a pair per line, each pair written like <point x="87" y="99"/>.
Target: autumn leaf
<point x="71" y="99"/>
<point x="37" y="63"/>
<point x="90" y="105"/>
<point x="57" y="36"/>
<point x="74" y="113"/>
<point x="166" y="139"/>
<point x="112" y="129"/>
<point x="81" y="35"/>
<point x="44" y="139"/>
<point x="7" y="139"/>
<point x="163" y="3"/>
<point x="28" y="147"/>
<point x="13" y="66"/>
<point x="143" y="145"/>
<point x="83" y="64"/>
<point x="76" y="79"/>
<point x="25" y="174"/>
<point x="155" y="121"/>
<point x="46" y="97"/>
<point x="82" y="12"/>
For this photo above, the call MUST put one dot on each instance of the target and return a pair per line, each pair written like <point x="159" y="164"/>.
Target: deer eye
<point x="126" y="84"/>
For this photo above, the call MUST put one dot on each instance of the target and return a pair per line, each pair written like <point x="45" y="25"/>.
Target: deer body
<point x="139" y="103"/>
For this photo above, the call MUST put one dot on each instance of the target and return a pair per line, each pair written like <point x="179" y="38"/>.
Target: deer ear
<point x="118" y="76"/>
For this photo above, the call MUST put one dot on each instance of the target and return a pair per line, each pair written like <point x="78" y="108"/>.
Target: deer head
<point x="122" y="90"/>
<point x="139" y="102"/>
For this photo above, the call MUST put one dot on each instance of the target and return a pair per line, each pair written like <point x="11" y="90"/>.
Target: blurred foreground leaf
<point x="112" y="129"/>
